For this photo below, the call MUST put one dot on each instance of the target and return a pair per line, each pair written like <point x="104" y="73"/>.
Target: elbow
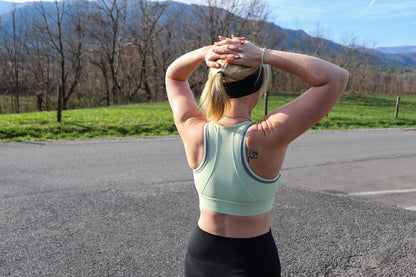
<point x="168" y="74"/>
<point x="345" y="75"/>
<point x="342" y="79"/>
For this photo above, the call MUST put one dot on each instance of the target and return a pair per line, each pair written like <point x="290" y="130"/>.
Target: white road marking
<point x="382" y="192"/>
<point x="413" y="208"/>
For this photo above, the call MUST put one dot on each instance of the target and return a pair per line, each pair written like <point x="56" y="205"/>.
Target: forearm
<point x="184" y="66"/>
<point x="315" y="71"/>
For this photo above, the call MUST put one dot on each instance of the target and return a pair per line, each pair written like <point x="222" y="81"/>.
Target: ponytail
<point x="214" y="100"/>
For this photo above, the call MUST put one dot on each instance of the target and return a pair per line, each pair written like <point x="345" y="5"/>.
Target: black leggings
<point x="211" y="255"/>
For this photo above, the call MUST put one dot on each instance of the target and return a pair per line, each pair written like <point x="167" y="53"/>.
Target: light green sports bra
<point x="224" y="181"/>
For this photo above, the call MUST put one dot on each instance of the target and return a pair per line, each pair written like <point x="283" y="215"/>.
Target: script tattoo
<point x="251" y="154"/>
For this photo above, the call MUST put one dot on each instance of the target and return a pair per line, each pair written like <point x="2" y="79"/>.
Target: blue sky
<point x="373" y="23"/>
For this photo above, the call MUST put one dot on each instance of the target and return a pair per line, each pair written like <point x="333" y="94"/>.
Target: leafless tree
<point x="227" y="17"/>
<point x="107" y="33"/>
<point x="66" y="30"/>
<point x="146" y="28"/>
<point x="12" y="41"/>
<point x="131" y="43"/>
<point x="202" y="24"/>
<point x="40" y="69"/>
<point x="76" y="33"/>
<point x="356" y="59"/>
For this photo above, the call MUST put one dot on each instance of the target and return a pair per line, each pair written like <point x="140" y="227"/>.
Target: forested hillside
<point x="108" y="52"/>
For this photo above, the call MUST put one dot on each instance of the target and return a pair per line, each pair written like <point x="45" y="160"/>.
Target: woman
<point x="237" y="163"/>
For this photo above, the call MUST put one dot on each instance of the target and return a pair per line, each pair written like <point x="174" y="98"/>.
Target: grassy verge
<point x="152" y="119"/>
<point x="155" y="119"/>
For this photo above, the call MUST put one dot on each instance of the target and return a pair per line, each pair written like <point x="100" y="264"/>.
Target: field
<point x="155" y="119"/>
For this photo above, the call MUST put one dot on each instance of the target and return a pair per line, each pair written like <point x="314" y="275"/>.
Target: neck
<point x="242" y="117"/>
<point x="240" y="110"/>
<point x="229" y="120"/>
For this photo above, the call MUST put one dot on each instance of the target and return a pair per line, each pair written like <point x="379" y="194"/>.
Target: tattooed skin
<point x="251" y="154"/>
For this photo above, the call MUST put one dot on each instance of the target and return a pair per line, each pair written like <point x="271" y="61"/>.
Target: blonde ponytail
<point x="214" y="100"/>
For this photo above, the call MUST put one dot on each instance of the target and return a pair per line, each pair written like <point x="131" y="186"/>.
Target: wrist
<point x="204" y="51"/>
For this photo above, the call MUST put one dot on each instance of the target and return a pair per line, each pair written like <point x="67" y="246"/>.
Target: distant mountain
<point x="6" y="6"/>
<point x="404" y="59"/>
<point x="397" y="49"/>
<point x="293" y="39"/>
<point x="399" y="55"/>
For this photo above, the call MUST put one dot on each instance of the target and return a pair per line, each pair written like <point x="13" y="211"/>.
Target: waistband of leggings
<point x="267" y="235"/>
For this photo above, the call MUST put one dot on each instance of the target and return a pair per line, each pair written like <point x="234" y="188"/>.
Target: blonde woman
<point x="236" y="162"/>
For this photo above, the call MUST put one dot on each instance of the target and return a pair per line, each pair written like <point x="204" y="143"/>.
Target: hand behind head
<point x="248" y="54"/>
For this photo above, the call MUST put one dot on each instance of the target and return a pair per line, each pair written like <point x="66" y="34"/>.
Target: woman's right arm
<point x="328" y="82"/>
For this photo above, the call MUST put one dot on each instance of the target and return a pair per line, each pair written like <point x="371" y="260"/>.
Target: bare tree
<point x="66" y="29"/>
<point x="76" y="30"/>
<point x="145" y="28"/>
<point x="166" y="47"/>
<point x="12" y="40"/>
<point x="356" y="59"/>
<point x="51" y="25"/>
<point x="202" y="25"/>
<point x="41" y="67"/>
<point x="108" y="31"/>
<point x="227" y="17"/>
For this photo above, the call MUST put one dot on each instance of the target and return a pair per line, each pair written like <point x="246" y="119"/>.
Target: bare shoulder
<point x="268" y="134"/>
<point x="291" y="120"/>
<point x="264" y="153"/>
<point x="193" y="129"/>
<point x="192" y="134"/>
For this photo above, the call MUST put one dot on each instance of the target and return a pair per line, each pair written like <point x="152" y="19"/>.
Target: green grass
<point x="365" y="111"/>
<point x="155" y="119"/>
<point x="359" y="112"/>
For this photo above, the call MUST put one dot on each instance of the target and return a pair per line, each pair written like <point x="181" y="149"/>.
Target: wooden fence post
<point x="60" y="96"/>
<point x="397" y="107"/>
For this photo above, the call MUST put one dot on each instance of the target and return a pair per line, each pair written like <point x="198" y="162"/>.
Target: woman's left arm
<point x="181" y="99"/>
<point x="189" y="118"/>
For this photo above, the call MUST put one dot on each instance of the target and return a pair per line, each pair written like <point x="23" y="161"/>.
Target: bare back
<point x="263" y="158"/>
<point x="267" y="140"/>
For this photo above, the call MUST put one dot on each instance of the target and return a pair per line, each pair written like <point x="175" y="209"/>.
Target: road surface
<point x="125" y="207"/>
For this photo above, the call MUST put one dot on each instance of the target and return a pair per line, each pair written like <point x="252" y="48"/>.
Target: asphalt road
<point x="375" y="164"/>
<point x="125" y="207"/>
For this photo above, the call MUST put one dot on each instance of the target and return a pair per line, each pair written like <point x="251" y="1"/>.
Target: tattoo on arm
<point x="251" y="154"/>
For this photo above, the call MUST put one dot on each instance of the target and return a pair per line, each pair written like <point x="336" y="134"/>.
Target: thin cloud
<point x="393" y="10"/>
<point x="299" y="8"/>
<point x="361" y="14"/>
<point x="371" y="4"/>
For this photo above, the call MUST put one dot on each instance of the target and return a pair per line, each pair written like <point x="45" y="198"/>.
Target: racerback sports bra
<point x="224" y="181"/>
